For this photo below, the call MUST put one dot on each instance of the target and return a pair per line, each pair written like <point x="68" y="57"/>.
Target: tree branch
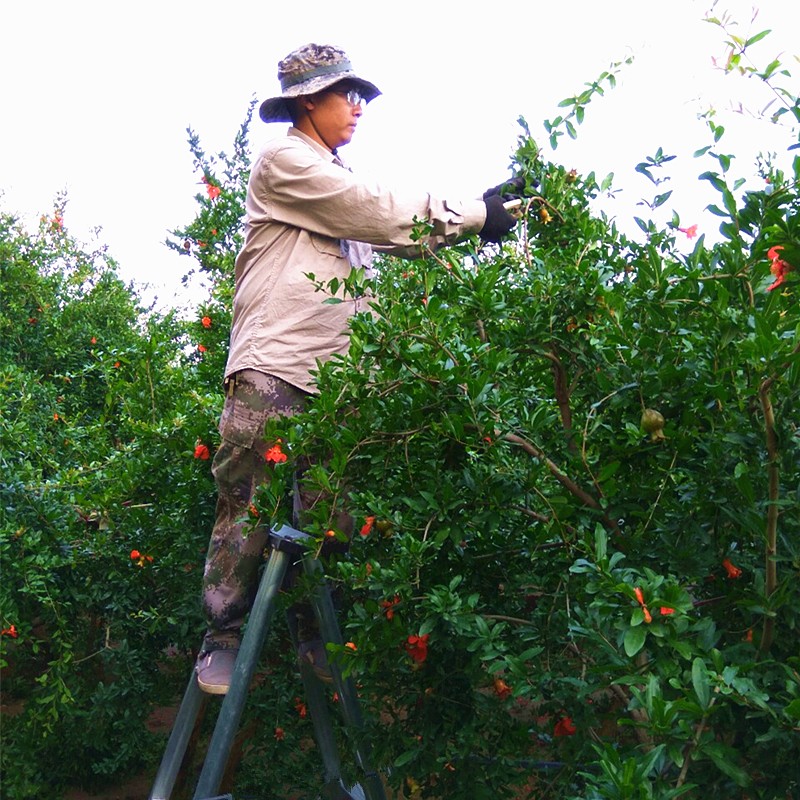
<point x="567" y="482"/>
<point x="773" y="475"/>
<point x="562" y="393"/>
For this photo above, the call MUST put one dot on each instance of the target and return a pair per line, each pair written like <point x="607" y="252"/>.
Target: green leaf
<point x="700" y="682"/>
<point x="661" y="199"/>
<point x="404" y="758"/>
<point x="721" y="756"/>
<point x="757" y="38"/>
<point x="600" y="543"/>
<point x="634" y="640"/>
<point x="793" y="710"/>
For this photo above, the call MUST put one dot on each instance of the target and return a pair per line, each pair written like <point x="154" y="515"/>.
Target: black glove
<point x="498" y="221"/>
<point x="510" y="190"/>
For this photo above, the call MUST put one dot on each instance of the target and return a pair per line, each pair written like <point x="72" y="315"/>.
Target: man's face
<point x="335" y="114"/>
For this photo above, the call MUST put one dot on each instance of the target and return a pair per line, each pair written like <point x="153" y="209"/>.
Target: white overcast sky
<point x="97" y="97"/>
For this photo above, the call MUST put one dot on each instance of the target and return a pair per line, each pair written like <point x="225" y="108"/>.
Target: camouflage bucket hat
<point x="308" y="70"/>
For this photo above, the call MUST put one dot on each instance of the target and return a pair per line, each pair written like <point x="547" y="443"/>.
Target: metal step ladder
<point x="287" y="546"/>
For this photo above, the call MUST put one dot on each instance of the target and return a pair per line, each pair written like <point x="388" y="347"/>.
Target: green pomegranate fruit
<point x="653" y="423"/>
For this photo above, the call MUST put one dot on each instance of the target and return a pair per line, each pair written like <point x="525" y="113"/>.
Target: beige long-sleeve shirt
<point x="301" y="206"/>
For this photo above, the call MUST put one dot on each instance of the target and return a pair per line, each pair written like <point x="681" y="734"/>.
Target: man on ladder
<point x="305" y="213"/>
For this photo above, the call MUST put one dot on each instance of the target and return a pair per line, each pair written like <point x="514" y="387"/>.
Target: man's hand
<point x="498" y="221"/>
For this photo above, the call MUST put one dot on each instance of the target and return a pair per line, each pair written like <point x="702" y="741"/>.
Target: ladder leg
<point x="193" y="701"/>
<point x="346" y="688"/>
<point x="315" y="695"/>
<point x="232" y="706"/>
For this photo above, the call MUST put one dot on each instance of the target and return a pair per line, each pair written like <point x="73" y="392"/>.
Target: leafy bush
<point x="104" y="514"/>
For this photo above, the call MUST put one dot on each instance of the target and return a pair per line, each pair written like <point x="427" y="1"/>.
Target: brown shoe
<point x="214" y="670"/>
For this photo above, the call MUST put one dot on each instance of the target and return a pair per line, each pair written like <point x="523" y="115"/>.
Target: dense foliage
<point x="104" y="513"/>
<point x="574" y="463"/>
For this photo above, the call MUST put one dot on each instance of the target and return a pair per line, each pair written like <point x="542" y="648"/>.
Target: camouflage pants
<point x="230" y="579"/>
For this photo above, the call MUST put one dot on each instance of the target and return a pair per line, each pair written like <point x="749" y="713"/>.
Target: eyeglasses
<point x="353" y="96"/>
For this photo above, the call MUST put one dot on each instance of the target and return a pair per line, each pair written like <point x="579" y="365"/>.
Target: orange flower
<point x="300" y="708"/>
<point x="212" y="189"/>
<point x="640" y="598"/>
<point x="733" y="571"/>
<point x="139" y="559"/>
<point x="117" y="365"/>
<point x="202" y="348"/>
<point x="206" y="322"/>
<point x="666" y="611"/>
<point x="93" y="340"/>
<point x="366" y="528"/>
<point x="502" y="689"/>
<point x="778" y="267"/>
<point x="275" y="454"/>
<point x="388" y="606"/>
<point x="280" y="735"/>
<point x="351" y="646"/>
<point x="690" y="232"/>
<point x="10" y="631"/>
<point x="417" y="647"/>
<point x="330" y="533"/>
<point x="564" y="727"/>
<point x="202" y="452"/>
<point x="772" y="253"/>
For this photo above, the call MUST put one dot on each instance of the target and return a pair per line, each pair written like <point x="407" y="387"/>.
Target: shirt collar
<point x="323" y="151"/>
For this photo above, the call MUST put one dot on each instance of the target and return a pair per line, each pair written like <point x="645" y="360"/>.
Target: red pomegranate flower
<point x="733" y="571"/>
<point x="564" y="727"/>
<point x="417" y="647"/>
<point x="275" y="454"/>
<point x="779" y="268"/>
